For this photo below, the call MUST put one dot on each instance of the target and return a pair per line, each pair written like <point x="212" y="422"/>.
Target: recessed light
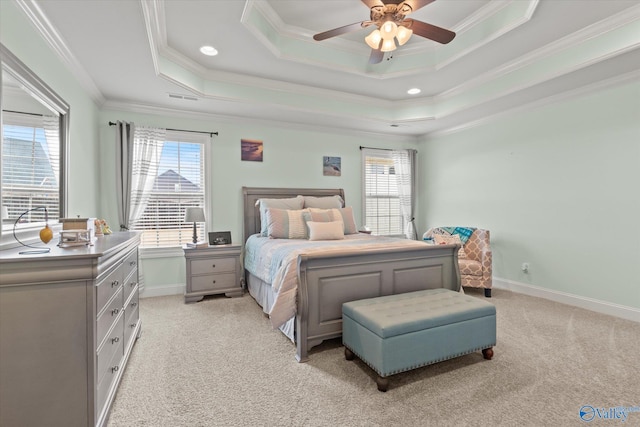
<point x="209" y="50"/>
<point x="413" y="91"/>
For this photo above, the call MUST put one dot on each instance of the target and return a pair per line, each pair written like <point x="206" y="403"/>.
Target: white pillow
<point x="333" y="230"/>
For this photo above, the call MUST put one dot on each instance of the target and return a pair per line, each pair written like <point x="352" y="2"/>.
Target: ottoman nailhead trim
<point x="419" y="365"/>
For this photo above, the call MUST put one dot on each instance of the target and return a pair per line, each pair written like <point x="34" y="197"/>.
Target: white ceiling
<point x="133" y="55"/>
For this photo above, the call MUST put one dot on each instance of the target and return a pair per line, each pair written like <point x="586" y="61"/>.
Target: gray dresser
<point x="68" y="322"/>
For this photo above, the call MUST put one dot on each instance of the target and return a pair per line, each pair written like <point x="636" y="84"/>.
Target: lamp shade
<point x="374" y="39"/>
<point x="403" y="35"/>
<point x="388" y="45"/>
<point x="194" y="215"/>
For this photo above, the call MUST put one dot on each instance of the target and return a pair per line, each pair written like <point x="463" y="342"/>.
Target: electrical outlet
<point x="525" y="267"/>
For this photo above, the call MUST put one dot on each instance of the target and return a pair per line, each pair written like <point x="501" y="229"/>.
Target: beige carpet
<point x="219" y="363"/>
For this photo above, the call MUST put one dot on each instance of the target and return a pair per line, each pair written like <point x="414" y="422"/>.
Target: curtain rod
<point x="180" y="130"/>
<point x="374" y="148"/>
<point x="22" y="112"/>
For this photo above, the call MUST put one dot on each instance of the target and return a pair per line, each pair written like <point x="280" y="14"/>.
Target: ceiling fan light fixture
<point x="374" y="39"/>
<point x="388" y="30"/>
<point x="388" y="45"/>
<point x="403" y="35"/>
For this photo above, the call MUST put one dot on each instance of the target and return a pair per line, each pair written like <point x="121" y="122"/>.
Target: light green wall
<point x="292" y="158"/>
<point x="558" y="187"/>
<point x="20" y="37"/>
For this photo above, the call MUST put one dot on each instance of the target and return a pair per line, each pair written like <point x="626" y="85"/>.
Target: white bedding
<point x="275" y="261"/>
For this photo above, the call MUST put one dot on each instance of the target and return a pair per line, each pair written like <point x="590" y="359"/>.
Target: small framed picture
<point x="331" y="166"/>
<point x="251" y="150"/>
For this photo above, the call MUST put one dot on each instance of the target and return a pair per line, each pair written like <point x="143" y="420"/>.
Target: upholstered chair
<point x="474" y="260"/>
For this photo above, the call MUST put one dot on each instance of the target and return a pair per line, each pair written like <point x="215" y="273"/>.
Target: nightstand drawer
<point x="213" y="265"/>
<point x="213" y="281"/>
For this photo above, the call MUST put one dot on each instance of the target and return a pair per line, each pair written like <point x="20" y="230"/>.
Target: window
<point x="30" y="166"/>
<point x="178" y="181"/>
<point x="382" y="213"/>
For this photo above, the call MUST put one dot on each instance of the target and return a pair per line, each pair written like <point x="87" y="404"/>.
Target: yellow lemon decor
<point x="46" y="234"/>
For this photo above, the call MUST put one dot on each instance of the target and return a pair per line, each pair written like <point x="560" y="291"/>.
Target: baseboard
<point x="604" y="307"/>
<point x="163" y="290"/>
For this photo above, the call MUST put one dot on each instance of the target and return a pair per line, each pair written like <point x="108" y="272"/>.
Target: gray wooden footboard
<point x="327" y="281"/>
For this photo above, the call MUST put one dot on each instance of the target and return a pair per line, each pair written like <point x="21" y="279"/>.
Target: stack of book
<point x="199" y="245"/>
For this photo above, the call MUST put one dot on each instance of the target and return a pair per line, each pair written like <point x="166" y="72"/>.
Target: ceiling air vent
<point x="187" y="97"/>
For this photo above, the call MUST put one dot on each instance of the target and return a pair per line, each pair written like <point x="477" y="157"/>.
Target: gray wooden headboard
<point x="252" y="194"/>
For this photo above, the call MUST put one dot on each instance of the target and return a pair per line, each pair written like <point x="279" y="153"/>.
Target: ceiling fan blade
<point x="431" y="32"/>
<point x="376" y="56"/>
<point x="417" y="4"/>
<point x="338" y="31"/>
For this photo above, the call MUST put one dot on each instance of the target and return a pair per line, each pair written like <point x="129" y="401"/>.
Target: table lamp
<point x="194" y="215"/>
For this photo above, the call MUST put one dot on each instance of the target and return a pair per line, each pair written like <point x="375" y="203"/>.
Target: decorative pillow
<point x="286" y="224"/>
<point x="450" y="239"/>
<point x="328" y="202"/>
<point x="332" y="230"/>
<point x="343" y="214"/>
<point x="290" y="203"/>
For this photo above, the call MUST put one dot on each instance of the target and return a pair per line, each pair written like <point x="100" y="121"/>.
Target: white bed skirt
<point x="262" y="292"/>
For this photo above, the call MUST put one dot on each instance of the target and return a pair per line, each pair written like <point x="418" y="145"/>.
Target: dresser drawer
<point x="112" y="345"/>
<point x="130" y="284"/>
<point x="132" y="315"/>
<point x="109" y="376"/>
<point x="108" y="316"/>
<point x="214" y="281"/>
<point x="213" y="265"/>
<point x="108" y="287"/>
<point x="129" y="264"/>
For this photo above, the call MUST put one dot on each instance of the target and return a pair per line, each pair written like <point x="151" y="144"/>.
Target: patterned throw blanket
<point x="463" y="232"/>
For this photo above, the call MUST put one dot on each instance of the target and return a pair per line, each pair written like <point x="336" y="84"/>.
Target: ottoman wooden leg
<point x="348" y="354"/>
<point x="488" y="353"/>
<point x="382" y="382"/>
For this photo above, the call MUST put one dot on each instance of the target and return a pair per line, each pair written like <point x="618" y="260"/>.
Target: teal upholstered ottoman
<point x="396" y="333"/>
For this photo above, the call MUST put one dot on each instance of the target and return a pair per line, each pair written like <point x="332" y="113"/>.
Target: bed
<point x="324" y="280"/>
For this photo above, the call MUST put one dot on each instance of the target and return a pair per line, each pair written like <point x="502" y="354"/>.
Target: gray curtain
<point x="404" y="163"/>
<point x="124" y="166"/>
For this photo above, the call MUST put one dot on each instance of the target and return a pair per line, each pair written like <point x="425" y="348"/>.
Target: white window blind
<point x="382" y="212"/>
<point x="30" y="166"/>
<point x="179" y="183"/>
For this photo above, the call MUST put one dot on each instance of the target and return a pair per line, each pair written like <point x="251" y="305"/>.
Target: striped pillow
<point x="286" y="224"/>
<point x="343" y="214"/>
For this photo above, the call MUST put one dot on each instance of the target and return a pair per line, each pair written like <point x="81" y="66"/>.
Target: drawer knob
<point x="132" y="263"/>
<point x="115" y="340"/>
<point x="115" y="369"/>
<point x="133" y="325"/>
<point x="133" y="304"/>
<point x="133" y="284"/>
<point x="213" y="281"/>
<point x="115" y="311"/>
<point x="114" y="284"/>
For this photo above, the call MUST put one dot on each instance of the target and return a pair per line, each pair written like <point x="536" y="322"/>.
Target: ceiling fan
<point x="389" y="18"/>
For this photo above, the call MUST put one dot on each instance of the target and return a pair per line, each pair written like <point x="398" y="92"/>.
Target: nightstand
<point x="213" y="270"/>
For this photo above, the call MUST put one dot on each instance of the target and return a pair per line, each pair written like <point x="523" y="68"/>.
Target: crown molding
<point x="622" y="79"/>
<point x="59" y="46"/>
<point x="242" y="120"/>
